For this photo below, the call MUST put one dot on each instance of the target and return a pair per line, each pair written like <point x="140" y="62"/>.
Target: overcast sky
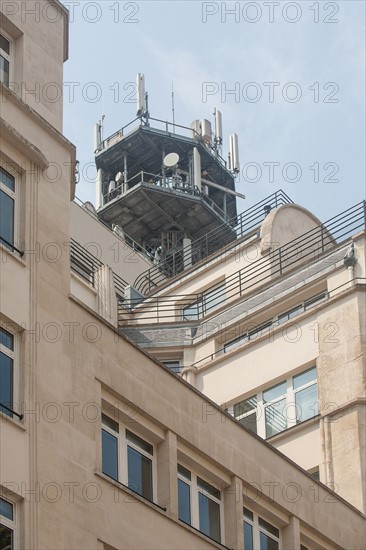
<point x="288" y="77"/>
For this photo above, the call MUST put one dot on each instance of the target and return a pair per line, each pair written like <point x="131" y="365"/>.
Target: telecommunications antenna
<point x="170" y="160"/>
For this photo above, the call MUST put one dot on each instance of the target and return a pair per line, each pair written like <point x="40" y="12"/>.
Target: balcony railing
<point x="85" y="265"/>
<point x="203" y="247"/>
<point x="309" y="247"/>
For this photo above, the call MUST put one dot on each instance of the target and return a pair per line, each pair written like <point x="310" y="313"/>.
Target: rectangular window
<point x="275" y="409"/>
<point x="139" y="465"/>
<point x="246" y="413"/>
<point x="7" y="208"/>
<point x="282" y="406"/>
<point x="128" y="459"/>
<point x="258" y="533"/>
<point x="6" y="372"/>
<point x="306" y="395"/>
<point x="184" y="494"/>
<point x="174" y="366"/>
<point x="5" y="47"/>
<point x="199" y="503"/>
<point x="110" y="432"/>
<point x="7" y="525"/>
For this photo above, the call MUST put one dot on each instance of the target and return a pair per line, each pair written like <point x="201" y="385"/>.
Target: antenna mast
<point x="173" y="107"/>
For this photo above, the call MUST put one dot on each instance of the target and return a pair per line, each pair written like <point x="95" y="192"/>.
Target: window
<point x="199" y="503"/>
<point x="127" y="459"/>
<point x="278" y="320"/>
<point x="173" y="366"/>
<point x="258" y="533"/>
<point x="7" y="208"/>
<point x="279" y="407"/>
<point x="7" y="525"/>
<point x="6" y="372"/>
<point x="139" y="459"/>
<point x="251" y="334"/>
<point x="211" y="300"/>
<point x="5" y="52"/>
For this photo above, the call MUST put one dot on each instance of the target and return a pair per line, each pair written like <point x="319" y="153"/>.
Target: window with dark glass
<point x="6" y="371"/>
<point x="259" y="534"/>
<point x="7" y="206"/>
<point x="184" y="494"/>
<point x="4" y="60"/>
<point x="110" y="451"/>
<point x="211" y="300"/>
<point x="7" y="525"/>
<point x="139" y="464"/>
<point x="209" y="509"/>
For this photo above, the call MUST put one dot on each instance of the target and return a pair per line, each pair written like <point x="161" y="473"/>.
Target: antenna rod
<point x="173" y="109"/>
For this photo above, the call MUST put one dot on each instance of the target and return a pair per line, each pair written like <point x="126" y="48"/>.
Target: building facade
<point x="103" y="447"/>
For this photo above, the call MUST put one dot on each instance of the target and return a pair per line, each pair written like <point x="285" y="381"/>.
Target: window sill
<point x="293" y="429"/>
<point x="202" y="535"/>
<point x="17" y="423"/>
<point x="129" y="491"/>
<point x="83" y="281"/>
<point x="4" y="251"/>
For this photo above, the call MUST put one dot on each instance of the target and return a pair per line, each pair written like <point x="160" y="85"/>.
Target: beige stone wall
<point x="38" y="30"/>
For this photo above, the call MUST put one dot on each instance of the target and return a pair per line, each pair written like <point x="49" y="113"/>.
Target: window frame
<point x="257" y="529"/>
<point x="290" y="405"/>
<point x="8" y="56"/>
<point x="13" y="195"/>
<point x="122" y="454"/>
<point x="10" y="524"/>
<point x="195" y="491"/>
<point x="14" y="356"/>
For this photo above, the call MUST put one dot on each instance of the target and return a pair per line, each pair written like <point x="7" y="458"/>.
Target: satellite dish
<point x="119" y="177"/>
<point x="171" y="160"/>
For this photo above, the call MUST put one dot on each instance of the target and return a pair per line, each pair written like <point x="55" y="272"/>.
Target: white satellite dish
<point x="119" y="177"/>
<point x="171" y="160"/>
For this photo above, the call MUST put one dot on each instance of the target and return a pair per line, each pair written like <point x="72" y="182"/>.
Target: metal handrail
<point x="273" y="323"/>
<point x="86" y="264"/>
<point x="14" y="248"/>
<point x="319" y="241"/>
<point x="211" y="242"/>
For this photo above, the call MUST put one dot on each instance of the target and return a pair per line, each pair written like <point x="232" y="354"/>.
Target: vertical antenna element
<point x="173" y="107"/>
<point x="234" y="153"/>
<point x="218" y="126"/>
<point x="141" y="95"/>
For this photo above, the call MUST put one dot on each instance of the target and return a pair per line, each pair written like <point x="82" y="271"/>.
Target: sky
<point x="288" y="77"/>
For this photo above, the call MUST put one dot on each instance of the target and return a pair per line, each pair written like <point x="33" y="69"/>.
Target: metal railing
<point x="203" y="247"/>
<point x="310" y="246"/>
<point x="271" y="325"/>
<point x="85" y="265"/>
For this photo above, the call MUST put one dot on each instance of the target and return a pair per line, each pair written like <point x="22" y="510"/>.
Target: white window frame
<point x="195" y="489"/>
<point x="289" y="407"/>
<point x="122" y="454"/>
<point x="8" y="56"/>
<point x="14" y="196"/>
<point x="14" y="356"/>
<point x="258" y="529"/>
<point x="11" y="524"/>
